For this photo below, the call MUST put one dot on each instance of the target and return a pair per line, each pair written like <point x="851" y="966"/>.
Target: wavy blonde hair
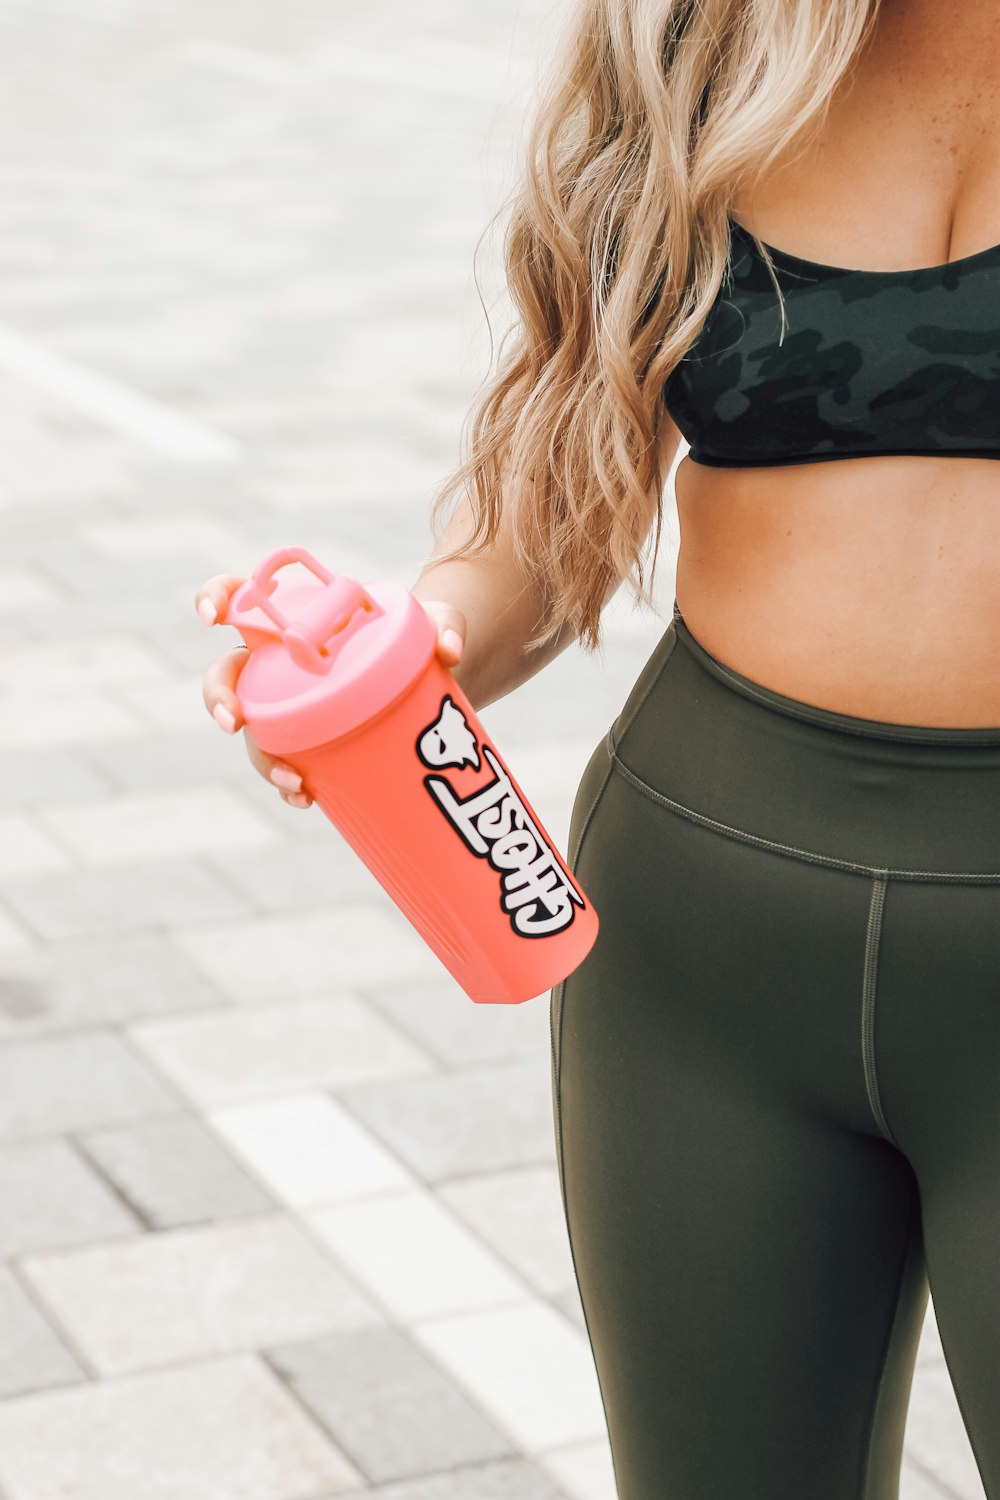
<point x="651" y="114"/>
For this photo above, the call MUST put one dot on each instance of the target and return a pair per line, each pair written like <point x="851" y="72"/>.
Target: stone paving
<point x="281" y="1212"/>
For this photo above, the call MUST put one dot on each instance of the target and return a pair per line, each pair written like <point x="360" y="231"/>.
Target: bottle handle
<point x="330" y="614"/>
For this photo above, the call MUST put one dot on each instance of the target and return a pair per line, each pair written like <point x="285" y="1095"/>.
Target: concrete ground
<point x="281" y="1218"/>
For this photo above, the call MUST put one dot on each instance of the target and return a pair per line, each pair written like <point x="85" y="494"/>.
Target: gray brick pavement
<point x="173" y="1171"/>
<point x="32" y="1356"/>
<point x="387" y="1405"/>
<point x="281" y="1208"/>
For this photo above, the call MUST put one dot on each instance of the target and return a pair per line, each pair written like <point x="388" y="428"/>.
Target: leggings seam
<point x="972" y="877"/>
<point x="866" y="1456"/>
<point x="869" y="989"/>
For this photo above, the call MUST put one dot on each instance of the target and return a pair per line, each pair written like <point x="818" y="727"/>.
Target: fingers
<point x="212" y="599"/>
<point x="218" y="690"/>
<point x="451" y="629"/>
<point x="278" y="772"/>
<point x="219" y="682"/>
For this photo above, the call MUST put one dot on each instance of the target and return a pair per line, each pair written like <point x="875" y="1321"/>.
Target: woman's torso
<point x="870" y="585"/>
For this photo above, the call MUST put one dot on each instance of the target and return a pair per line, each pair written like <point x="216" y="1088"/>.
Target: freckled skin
<point x="869" y="585"/>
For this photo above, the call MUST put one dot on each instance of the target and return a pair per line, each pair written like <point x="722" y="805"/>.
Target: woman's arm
<point x="500" y="608"/>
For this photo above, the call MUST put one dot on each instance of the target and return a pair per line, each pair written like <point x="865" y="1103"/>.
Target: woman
<point x="776" y="1074"/>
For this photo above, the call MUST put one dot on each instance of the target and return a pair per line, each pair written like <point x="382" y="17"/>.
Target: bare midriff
<point x="869" y="585"/>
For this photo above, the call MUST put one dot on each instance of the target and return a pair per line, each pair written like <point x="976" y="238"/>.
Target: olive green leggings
<point x="776" y="1083"/>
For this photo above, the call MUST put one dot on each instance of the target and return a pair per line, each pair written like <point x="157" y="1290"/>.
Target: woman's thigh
<point x="747" y="1242"/>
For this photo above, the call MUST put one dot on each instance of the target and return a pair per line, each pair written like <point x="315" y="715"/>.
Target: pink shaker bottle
<point x="343" y="683"/>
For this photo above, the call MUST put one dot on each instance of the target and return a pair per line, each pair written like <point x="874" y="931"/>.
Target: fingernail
<point x="222" y="716"/>
<point x="208" y="611"/>
<point x="290" y="780"/>
<point x="452" y="640"/>
<point x="298" y="799"/>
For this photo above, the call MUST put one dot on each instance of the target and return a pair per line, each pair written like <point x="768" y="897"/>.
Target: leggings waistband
<point x="700" y="739"/>
<point x="924" y="734"/>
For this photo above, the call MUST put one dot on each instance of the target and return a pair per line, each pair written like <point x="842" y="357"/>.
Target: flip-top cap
<point x="327" y="653"/>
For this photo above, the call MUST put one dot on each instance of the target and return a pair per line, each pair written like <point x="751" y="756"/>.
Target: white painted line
<point x="433" y="68"/>
<point x="126" y="411"/>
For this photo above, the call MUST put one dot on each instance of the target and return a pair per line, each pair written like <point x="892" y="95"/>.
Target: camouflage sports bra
<point x="870" y="362"/>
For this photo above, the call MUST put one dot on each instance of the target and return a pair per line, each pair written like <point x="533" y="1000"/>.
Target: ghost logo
<point x="495" y="825"/>
<point x="449" y="741"/>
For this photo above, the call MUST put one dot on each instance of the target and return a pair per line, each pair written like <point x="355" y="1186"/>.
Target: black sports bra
<point x="870" y="362"/>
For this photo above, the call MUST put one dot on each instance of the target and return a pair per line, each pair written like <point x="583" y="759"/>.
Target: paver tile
<point x="387" y="1405"/>
<point x="439" y="1014"/>
<point x="165" y="756"/>
<point x="37" y="721"/>
<point x="916" y="1484"/>
<point x="527" y="1367"/>
<point x="414" y="1255"/>
<point x="26" y="851"/>
<point x="83" y="982"/>
<point x="152" y="893"/>
<point x="936" y="1437"/>
<point x="323" y="873"/>
<point x="256" y="1051"/>
<point x="345" y="946"/>
<point x="52" y="1197"/>
<point x="16" y="941"/>
<point x="187" y="1293"/>
<point x="223" y="1429"/>
<point x="91" y="662"/>
<point x="583" y="1471"/>
<point x="56" y="773"/>
<point x="480" y="1119"/>
<point x="520" y="1213"/>
<point x="173" y="1171"/>
<point x="309" y="1149"/>
<point x="138" y="825"/>
<point x="73" y="1082"/>
<point x="32" y="1356"/>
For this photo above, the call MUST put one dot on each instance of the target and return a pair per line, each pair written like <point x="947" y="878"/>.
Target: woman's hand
<point x="218" y="686"/>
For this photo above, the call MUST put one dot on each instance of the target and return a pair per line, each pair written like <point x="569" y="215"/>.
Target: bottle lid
<point x="327" y="653"/>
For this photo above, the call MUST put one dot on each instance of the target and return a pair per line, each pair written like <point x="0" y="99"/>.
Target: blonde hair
<point x="651" y="114"/>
